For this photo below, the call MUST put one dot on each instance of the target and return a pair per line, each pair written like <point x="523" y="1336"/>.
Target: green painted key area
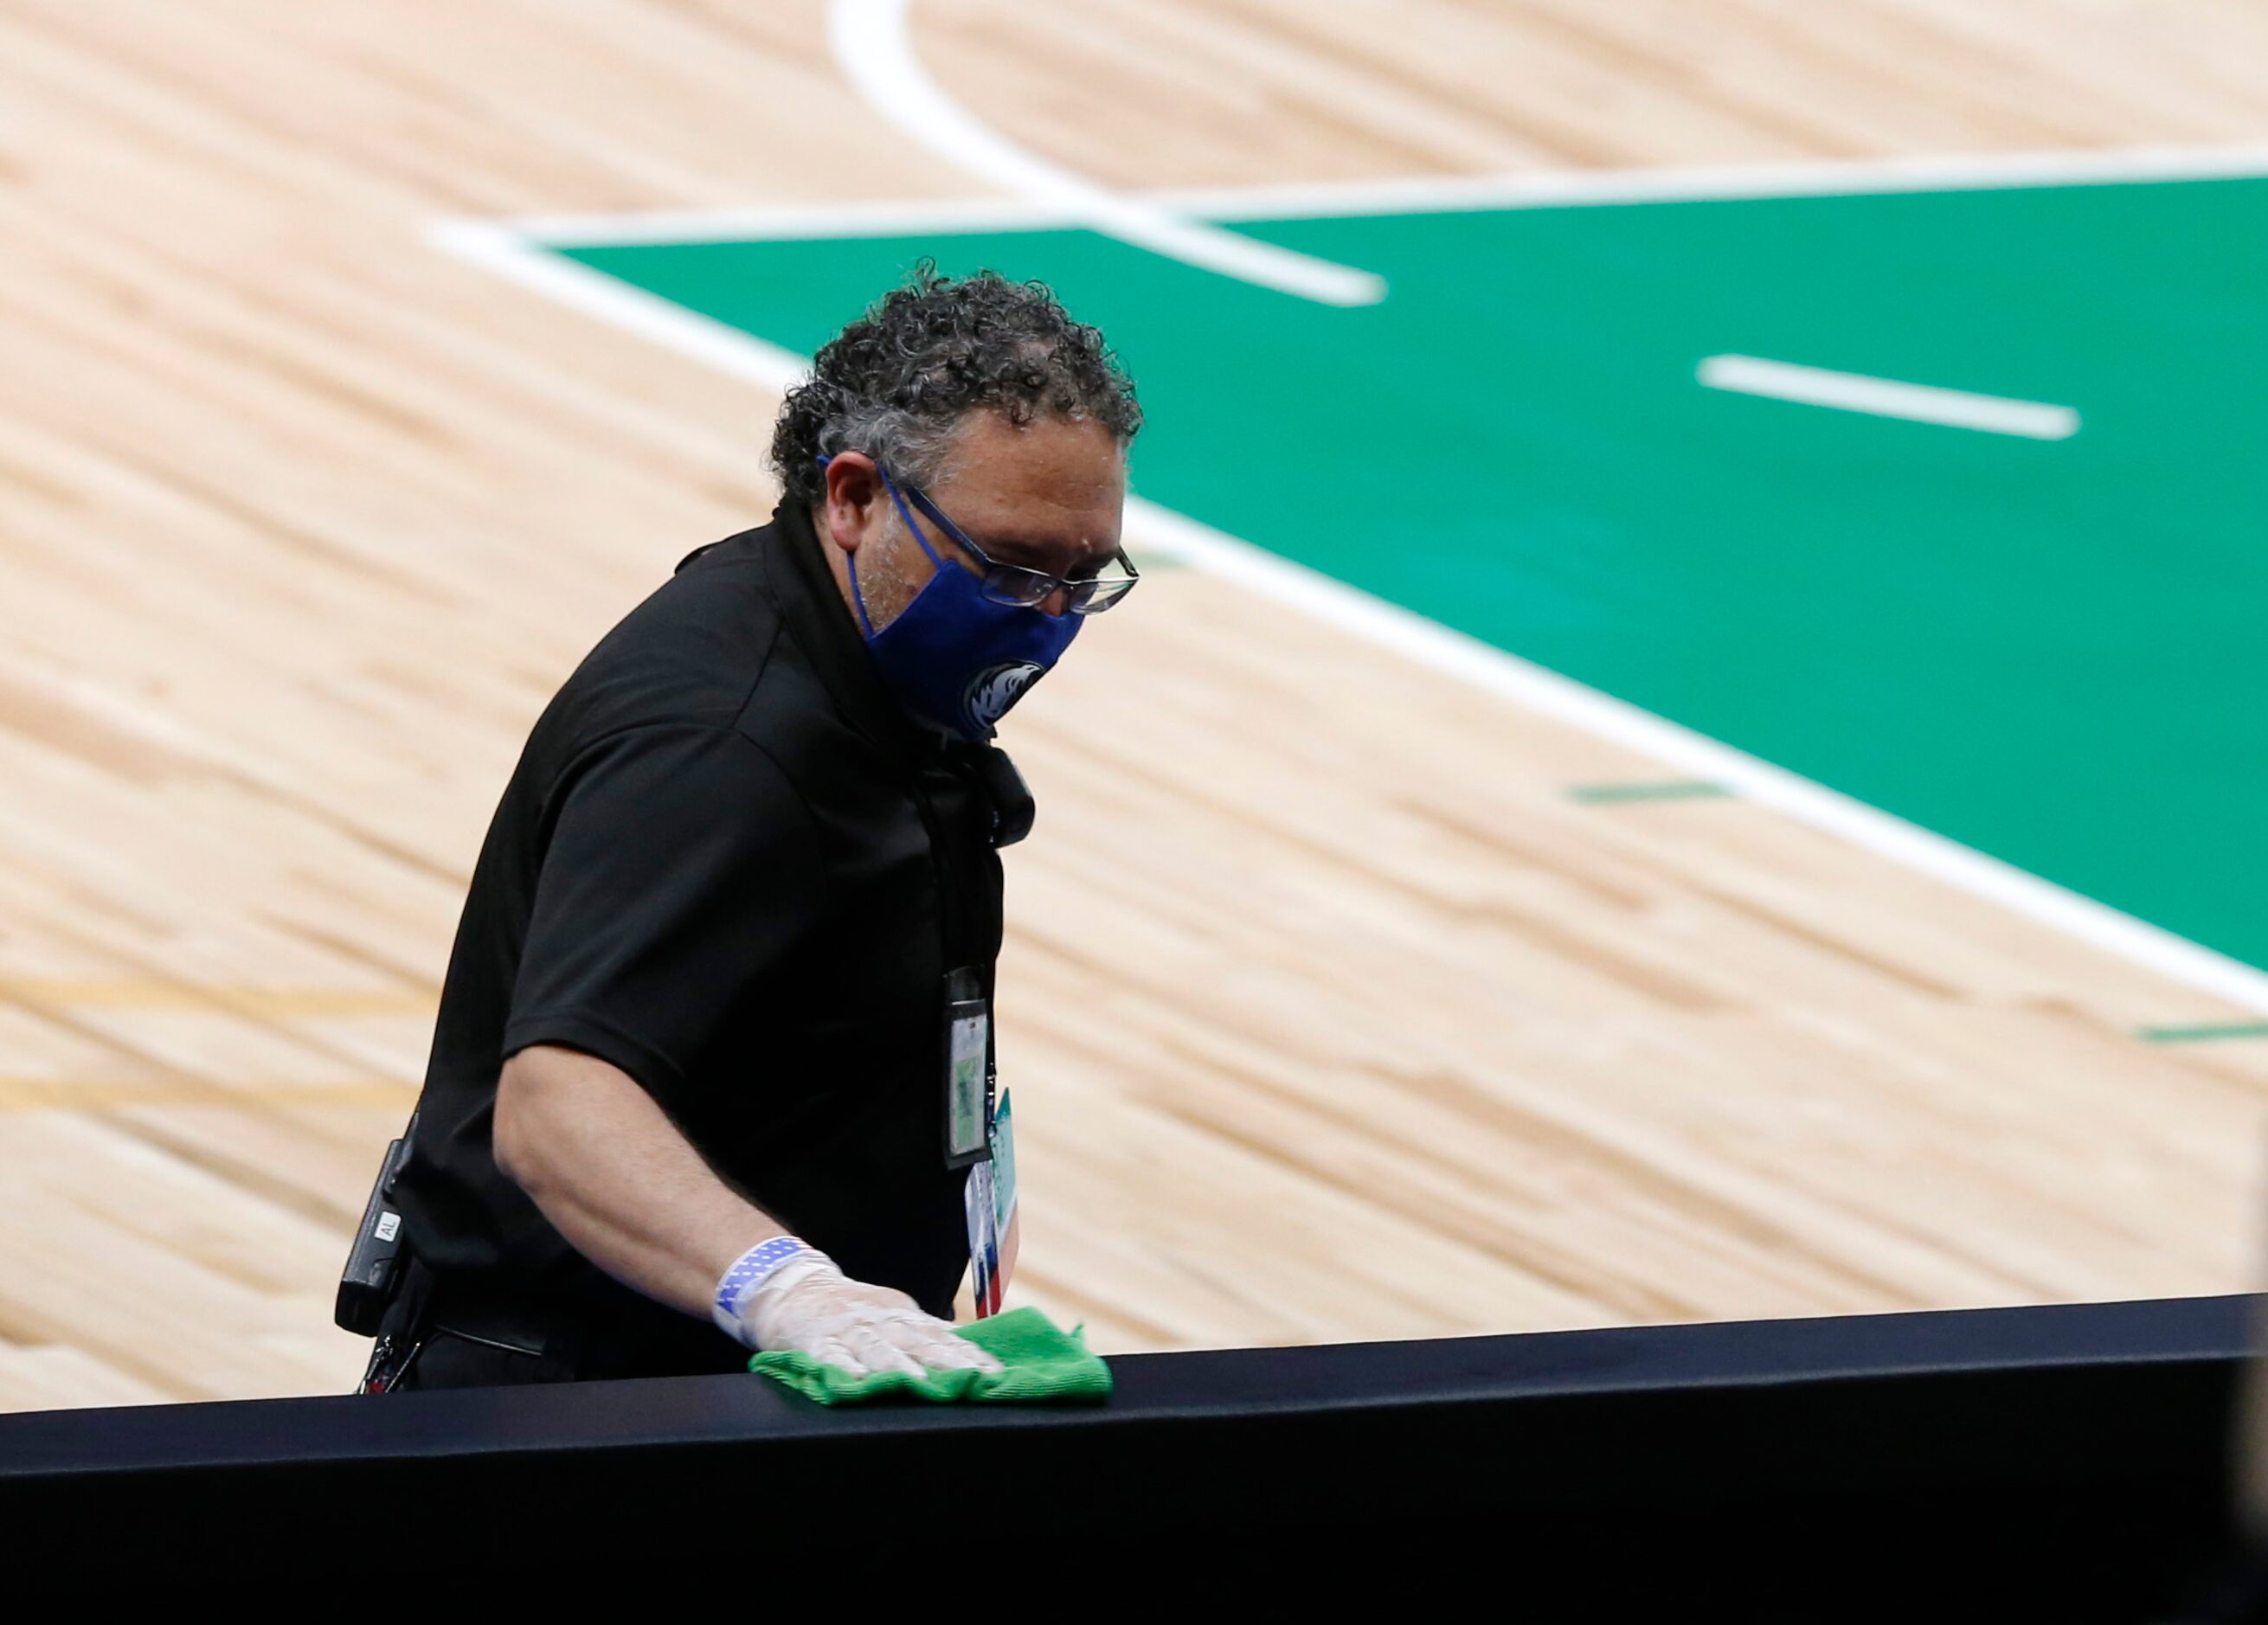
<point x="2051" y="651"/>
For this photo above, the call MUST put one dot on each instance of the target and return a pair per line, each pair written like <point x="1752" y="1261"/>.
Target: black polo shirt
<point x="731" y="864"/>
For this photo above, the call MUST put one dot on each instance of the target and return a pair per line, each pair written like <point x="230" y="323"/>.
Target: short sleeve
<point x="682" y="869"/>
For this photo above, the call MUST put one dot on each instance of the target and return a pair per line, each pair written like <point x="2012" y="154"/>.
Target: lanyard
<point x="966" y="1061"/>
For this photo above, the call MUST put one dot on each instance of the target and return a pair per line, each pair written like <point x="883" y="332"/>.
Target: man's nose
<point x="1058" y="602"/>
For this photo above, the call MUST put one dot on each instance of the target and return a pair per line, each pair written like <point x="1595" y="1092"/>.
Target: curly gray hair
<point x="896" y="383"/>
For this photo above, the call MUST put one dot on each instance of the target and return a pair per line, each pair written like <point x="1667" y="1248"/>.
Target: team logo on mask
<point x="995" y="690"/>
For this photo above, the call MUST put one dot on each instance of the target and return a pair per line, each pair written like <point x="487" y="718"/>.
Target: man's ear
<point x="854" y="492"/>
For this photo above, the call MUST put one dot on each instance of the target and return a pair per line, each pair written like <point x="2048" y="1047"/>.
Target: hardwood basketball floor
<point x="1330" y="1013"/>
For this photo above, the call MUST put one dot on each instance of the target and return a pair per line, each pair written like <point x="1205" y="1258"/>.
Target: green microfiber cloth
<point x="1042" y="1364"/>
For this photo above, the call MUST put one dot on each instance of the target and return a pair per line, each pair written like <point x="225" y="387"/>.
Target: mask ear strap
<point x="860" y="599"/>
<point x="857" y="596"/>
<point x="906" y="514"/>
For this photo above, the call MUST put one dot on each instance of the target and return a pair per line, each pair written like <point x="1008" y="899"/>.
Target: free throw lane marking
<point x="1673" y="789"/>
<point x="1855" y="392"/>
<point x="2205" y="1034"/>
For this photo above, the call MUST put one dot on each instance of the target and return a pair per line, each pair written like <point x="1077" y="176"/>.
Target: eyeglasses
<point x="1012" y="583"/>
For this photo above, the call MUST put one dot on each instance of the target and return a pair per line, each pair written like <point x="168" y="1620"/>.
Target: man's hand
<point x="615" y="1176"/>
<point x="809" y="1305"/>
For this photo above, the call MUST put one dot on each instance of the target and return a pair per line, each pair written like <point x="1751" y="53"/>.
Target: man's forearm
<point x="606" y="1165"/>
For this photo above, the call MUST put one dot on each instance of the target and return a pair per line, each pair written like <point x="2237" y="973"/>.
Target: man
<point x="690" y="1093"/>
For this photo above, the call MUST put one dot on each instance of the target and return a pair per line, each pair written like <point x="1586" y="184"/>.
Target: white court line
<point x="501" y="249"/>
<point x="1883" y="397"/>
<point x="1421" y="194"/>
<point x="873" y="48"/>
<point x="1726" y="183"/>
<point x="789" y="221"/>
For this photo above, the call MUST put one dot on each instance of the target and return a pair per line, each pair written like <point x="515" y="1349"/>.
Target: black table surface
<point x="1194" y="1385"/>
<point x="2066" y="1462"/>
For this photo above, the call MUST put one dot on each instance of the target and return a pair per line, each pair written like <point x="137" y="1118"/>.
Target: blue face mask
<point x="953" y="655"/>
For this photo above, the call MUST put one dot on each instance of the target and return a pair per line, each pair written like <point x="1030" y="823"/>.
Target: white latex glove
<point x="808" y="1304"/>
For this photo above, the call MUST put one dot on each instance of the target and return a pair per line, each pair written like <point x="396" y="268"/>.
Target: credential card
<point x="964" y="1084"/>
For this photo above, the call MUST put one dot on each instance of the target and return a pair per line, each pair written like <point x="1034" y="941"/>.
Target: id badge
<point x="968" y="1072"/>
<point x="985" y="1282"/>
<point x="989" y="1201"/>
<point x="1003" y="1170"/>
